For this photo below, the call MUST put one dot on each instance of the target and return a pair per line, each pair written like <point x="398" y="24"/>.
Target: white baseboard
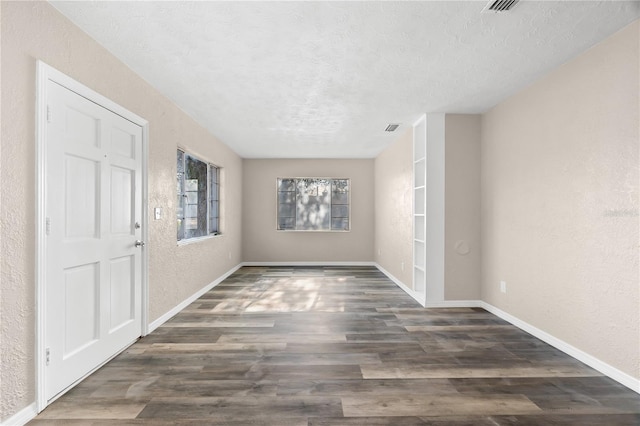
<point x="305" y="263"/>
<point x="23" y="416"/>
<point x="420" y="298"/>
<point x="417" y="296"/>
<point x="454" y="304"/>
<point x="593" y="362"/>
<point x="189" y="300"/>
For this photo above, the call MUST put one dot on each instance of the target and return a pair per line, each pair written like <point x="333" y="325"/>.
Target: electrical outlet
<point x="503" y="286"/>
<point x="402" y="266"/>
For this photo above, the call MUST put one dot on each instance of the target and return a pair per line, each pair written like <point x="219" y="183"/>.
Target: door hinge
<point x="48" y="114"/>
<point x="47" y="354"/>
<point x="47" y="226"/>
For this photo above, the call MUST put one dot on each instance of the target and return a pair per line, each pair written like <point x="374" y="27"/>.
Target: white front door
<point x="93" y="208"/>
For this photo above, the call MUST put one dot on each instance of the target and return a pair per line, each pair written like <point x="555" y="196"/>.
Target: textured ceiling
<point x="323" y="79"/>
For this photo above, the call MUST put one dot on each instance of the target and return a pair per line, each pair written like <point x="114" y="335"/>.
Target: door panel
<point x="93" y="202"/>
<point x="121" y="292"/>
<point x="82" y="183"/>
<point x="82" y="127"/>
<point x="123" y="143"/>
<point x="80" y="307"/>
<point x="121" y="201"/>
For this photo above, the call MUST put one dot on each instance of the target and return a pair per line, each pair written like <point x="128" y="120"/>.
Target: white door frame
<point x="44" y="74"/>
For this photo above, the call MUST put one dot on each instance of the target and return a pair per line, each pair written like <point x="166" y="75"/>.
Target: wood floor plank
<point x="366" y="421"/>
<point x="321" y="359"/>
<point x="222" y="324"/>
<point x="213" y="347"/>
<point x="380" y="388"/>
<point x="285" y="338"/>
<point x="330" y="346"/>
<point x="430" y="405"/>
<point x="97" y="409"/>
<point x="235" y="408"/>
<point x="422" y="372"/>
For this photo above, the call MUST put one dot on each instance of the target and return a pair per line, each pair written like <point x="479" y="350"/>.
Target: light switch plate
<point x="157" y="213"/>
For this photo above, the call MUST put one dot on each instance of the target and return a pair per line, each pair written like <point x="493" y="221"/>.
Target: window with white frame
<point x="313" y="204"/>
<point x="198" y="200"/>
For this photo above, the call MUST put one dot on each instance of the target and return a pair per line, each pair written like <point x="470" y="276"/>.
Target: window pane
<point x="339" y="210"/>
<point x="214" y="200"/>
<point x="191" y="212"/>
<point x="180" y="194"/>
<point x="213" y="193"/>
<point x="286" y="210"/>
<point x="213" y="209"/>
<point x="191" y="185"/>
<point x="340" y="205"/>
<point x="340" y="191"/>
<point x="313" y="205"/>
<point x="286" y="185"/>
<point x="287" y="223"/>
<point x="340" y="224"/>
<point x="192" y="197"/>
<point x="196" y="200"/>
<point x="286" y="204"/>
<point x="340" y="185"/>
<point x="287" y="197"/>
<point x="213" y="224"/>
<point x="340" y="198"/>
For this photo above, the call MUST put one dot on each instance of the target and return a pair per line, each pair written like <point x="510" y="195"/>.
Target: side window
<point x="214" y="199"/>
<point x="198" y="197"/>
<point x="313" y="204"/>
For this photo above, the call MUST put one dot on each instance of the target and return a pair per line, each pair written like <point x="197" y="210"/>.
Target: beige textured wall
<point x="262" y="243"/>
<point x="32" y="31"/>
<point x="462" y="207"/>
<point x="560" y="221"/>
<point x="393" y="208"/>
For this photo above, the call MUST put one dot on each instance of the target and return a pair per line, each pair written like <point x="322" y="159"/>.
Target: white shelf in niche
<point x="419" y="255"/>
<point x="419" y="205"/>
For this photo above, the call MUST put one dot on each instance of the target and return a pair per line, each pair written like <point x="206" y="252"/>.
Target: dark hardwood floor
<point x="338" y="346"/>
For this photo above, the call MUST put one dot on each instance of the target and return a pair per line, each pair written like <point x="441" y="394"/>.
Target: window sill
<point x="326" y="231"/>
<point x="197" y="239"/>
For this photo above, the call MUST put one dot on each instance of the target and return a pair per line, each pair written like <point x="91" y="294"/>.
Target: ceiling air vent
<point x="391" y="127"/>
<point x="498" y="6"/>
